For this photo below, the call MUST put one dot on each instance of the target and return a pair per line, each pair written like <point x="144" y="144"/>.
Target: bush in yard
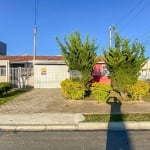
<point x="72" y="89"/>
<point x="64" y="87"/>
<point x="138" y="90"/>
<point x="1" y="90"/>
<point x="79" y="55"/>
<point x="124" y="60"/>
<point x="5" y="87"/>
<point x="100" y="91"/>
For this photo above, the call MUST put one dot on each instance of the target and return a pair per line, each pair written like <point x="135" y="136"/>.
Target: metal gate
<point x="19" y="76"/>
<point x="49" y="76"/>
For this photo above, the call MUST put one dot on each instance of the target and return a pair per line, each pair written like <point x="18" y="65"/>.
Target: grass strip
<point x="11" y="95"/>
<point x="116" y="117"/>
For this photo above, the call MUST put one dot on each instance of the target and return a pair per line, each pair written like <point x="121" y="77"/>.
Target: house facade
<point x="49" y="71"/>
<point x="43" y="72"/>
<point x="145" y="71"/>
<point x="23" y="72"/>
<point x="100" y="73"/>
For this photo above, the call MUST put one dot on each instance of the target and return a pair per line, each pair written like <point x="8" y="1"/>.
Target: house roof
<point x="30" y="58"/>
<point x="100" y="58"/>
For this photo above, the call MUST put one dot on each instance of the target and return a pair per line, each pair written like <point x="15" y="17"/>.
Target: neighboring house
<point x="47" y="72"/>
<point x="100" y="73"/>
<point x="44" y="72"/>
<point x="145" y="71"/>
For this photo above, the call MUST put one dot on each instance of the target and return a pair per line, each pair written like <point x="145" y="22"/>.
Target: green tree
<point x="79" y="55"/>
<point x="124" y="62"/>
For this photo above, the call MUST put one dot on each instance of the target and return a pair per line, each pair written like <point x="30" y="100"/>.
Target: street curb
<point x="132" y="125"/>
<point x="114" y="126"/>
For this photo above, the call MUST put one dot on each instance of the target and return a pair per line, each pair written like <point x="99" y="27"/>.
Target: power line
<point x="141" y="10"/>
<point x="145" y="38"/>
<point x="130" y="11"/>
<point x="147" y="42"/>
<point x="138" y="12"/>
<point x="135" y="7"/>
<point x="144" y="34"/>
<point x="133" y="13"/>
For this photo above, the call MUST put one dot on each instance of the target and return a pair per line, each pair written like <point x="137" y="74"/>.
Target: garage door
<point x="49" y="76"/>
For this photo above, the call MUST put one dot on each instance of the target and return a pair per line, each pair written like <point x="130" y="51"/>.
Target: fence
<point x="19" y="76"/>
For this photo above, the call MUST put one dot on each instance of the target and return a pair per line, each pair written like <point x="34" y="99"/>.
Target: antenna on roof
<point x="35" y="29"/>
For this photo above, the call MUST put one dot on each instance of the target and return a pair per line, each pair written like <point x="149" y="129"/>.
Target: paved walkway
<point x="43" y="109"/>
<point x="52" y="101"/>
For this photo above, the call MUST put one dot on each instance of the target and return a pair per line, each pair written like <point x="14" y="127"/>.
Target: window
<point x="2" y="70"/>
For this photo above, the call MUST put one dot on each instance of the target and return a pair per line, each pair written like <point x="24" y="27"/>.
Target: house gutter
<point x="49" y="62"/>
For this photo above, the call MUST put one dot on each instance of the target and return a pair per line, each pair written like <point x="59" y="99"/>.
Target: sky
<point x="59" y="18"/>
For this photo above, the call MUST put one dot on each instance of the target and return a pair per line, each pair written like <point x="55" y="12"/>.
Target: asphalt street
<point x="75" y="140"/>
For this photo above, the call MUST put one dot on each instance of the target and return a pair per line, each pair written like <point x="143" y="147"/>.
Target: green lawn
<point x="116" y="117"/>
<point x="11" y="95"/>
<point x="119" y="117"/>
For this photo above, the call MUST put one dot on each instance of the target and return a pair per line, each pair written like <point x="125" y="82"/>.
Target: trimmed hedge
<point x="5" y="87"/>
<point x="72" y="89"/>
<point x="138" y="90"/>
<point x="100" y="91"/>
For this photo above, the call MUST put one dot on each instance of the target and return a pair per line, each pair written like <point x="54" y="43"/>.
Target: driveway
<point x="47" y="100"/>
<point x="52" y="100"/>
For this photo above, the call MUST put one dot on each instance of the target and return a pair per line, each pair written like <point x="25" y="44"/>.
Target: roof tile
<point x="30" y="58"/>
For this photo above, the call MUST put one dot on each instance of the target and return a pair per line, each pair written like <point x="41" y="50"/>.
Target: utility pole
<point x="111" y="28"/>
<point x="34" y="50"/>
<point x="35" y="33"/>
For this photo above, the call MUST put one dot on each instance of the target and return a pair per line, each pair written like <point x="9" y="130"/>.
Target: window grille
<point x="2" y="70"/>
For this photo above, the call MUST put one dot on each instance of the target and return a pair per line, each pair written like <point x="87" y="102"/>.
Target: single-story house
<point x="43" y="72"/>
<point x="145" y="71"/>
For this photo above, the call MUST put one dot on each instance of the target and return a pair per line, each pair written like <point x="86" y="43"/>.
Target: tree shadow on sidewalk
<point x="117" y="139"/>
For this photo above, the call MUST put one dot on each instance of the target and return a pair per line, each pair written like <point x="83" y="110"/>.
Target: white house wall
<point x="49" y="76"/>
<point x="6" y="64"/>
<point x="145" y="71"/>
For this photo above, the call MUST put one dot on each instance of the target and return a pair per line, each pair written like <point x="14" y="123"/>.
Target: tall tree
<point x="79" y="55"/>
<point x="124" y="62"/>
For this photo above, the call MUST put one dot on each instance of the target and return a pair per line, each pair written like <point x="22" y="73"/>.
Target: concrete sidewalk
<point x="47" y="109"/>
<point x="63" y="121"/>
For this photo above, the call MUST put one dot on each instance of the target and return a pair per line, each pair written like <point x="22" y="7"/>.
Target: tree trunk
<point x="115" y="95"/>
<point x="124" y="96"/>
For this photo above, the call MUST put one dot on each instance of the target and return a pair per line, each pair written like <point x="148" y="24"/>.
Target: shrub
<point x="5" y="87"/>
<point x="76" y="79"/>
<point x="100" y="91"/>
<point x="138" y="90"/>
<point x="72" y="89"/>
<point x="1" y="90"/>
<point x="64" y="87"/>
